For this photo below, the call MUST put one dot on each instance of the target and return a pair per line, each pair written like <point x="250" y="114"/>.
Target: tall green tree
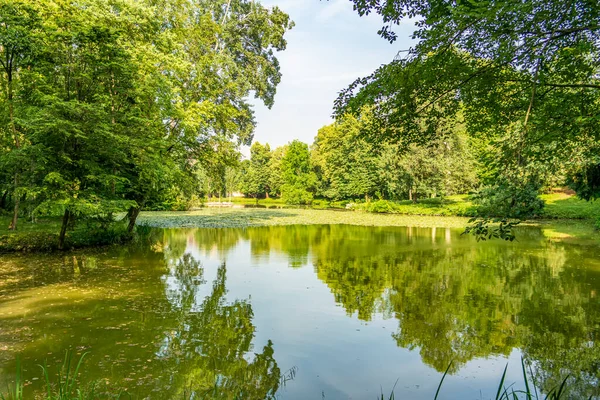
<point x="126" y="101"/>
<point x="19" y="41"/>
<point x="297" y="174"/>
<point x="223" y="51"/>
<point x="348" y="162"/>
<point x="525" y="74"/>
<point x="275" y="178"/>
<point x="256" y="176"/>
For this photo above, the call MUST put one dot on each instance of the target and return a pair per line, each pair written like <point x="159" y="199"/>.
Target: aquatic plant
<point x="529" y="392"/>
<point x="68" y="387"/>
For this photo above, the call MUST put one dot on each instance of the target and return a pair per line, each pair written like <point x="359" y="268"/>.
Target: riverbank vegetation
<point x="42" y="235"/>
<point x="67" y="386"/>
<point x="108" y="107"/>
<point x="114" y="107"/>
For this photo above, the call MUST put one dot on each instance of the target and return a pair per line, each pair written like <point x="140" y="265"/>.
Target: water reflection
<point x="153" y="340"/>
<point x="454" y="300"/>
<point x="183" y="314"/>
<point x="214" y="337"/>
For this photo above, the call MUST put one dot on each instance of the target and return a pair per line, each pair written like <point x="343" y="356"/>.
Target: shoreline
<point x="39" y="237"/>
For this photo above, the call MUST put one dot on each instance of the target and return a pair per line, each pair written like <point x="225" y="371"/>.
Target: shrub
<point x="296" y="196"/>
<point x="115" y="233"/>
<point x="510" y="200"/>
<point x="381" y="206"/>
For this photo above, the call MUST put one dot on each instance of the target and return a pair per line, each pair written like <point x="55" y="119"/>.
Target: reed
<point x="503" y="392"/>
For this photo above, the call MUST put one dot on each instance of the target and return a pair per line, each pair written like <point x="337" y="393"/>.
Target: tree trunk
<point x="13" y="222"/>
<point x="63" y="229"/>
<point x="132" y="214"/>
<point x="3" y="200"/>
<point x="410" y="196"/>
<point x="11" y="111"/>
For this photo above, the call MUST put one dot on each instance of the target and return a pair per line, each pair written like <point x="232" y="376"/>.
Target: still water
<point x="308" y="312"/>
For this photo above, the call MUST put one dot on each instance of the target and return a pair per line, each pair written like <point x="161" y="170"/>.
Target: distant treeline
<point x="343" y="164"/>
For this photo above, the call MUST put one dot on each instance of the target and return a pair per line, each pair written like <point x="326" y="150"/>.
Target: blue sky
<point x="329" y="47"/>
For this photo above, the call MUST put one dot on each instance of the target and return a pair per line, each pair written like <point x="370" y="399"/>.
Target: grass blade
<point x="527" y="390"/>
<point x="498" y="397"/>
<point x="442" y="381"/>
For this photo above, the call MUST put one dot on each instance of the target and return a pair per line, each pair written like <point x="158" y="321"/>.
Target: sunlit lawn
<point x="565" y="206"/>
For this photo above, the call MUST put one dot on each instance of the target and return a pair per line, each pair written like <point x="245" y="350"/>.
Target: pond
<point x="308" y="312"/>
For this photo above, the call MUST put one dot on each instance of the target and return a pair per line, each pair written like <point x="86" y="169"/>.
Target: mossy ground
<point x="247" y="217"/>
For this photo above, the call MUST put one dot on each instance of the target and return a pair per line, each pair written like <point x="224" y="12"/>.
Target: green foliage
<point x="381" y="206"/>
<point x="586" y="182"/>
<point x="296" y="195"/>
<point x="350" y="165"/>
<point x="299" y="180"/>
<point x="507" y="199"/>
<point x="345" y="161"/>
<point x="523" y="75"/>
<point x="256" y="179"/>
<point x="453" y="205"/>
<point x="115" y="106"/>
<point x="43" y="236"/>
<point x="491" y="228"/>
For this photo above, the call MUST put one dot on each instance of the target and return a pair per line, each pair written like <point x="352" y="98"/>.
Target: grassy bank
<point x="459" y="206"/>
<point x="558" y="206"/>
<point x="42" y="235"/>
<point x="565" y="206"/>
<point x="572" y="218"/>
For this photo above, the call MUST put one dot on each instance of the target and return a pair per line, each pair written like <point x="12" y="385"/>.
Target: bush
<point x="296" y="196"/>
<point x="84" y="235"/>
<point x="115" y="233"/>
<point x="509" y="200"/>
<point x="28" y="242"/>
<point x="381" y="206"/>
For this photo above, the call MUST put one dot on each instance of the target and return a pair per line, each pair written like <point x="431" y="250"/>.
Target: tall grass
<point x="65" y="386"/>
<point x="15" y="392"/>
<point x="503" y="392"/>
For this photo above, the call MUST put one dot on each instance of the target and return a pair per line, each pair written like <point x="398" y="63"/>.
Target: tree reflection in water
<point x="454" y="300"/>
<point x="155" y="324"/>
<point x="211" y="340"/>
